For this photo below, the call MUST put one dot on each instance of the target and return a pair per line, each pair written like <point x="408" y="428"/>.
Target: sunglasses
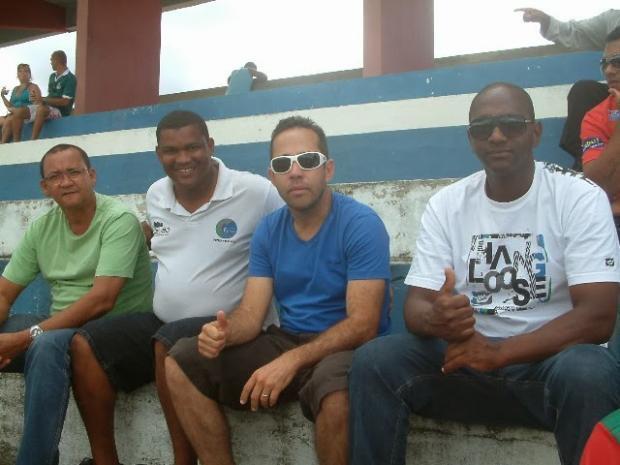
<point x="305" y="160"/>
<point x="510" y="126"/>
<point x="613" y="60"/>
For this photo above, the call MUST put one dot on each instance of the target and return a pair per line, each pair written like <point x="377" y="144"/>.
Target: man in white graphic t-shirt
<point x="514" y="285"/>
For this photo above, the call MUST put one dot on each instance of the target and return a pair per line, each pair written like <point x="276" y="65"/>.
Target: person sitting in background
<point x="587" y="34"/>
<point x="600" y="136"/>
<point x="241" y="80"/>
<point x="20" y="97"/>
<point x="58" y="103"/>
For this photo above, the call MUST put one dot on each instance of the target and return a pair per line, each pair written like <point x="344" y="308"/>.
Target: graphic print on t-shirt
<point x="507" y="272"/>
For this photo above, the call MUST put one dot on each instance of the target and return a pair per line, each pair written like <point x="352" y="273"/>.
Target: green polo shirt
<point x="113" y="245"/>
<point x="64" y="86"/>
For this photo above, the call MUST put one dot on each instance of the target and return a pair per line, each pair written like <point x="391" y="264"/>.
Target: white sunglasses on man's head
<point x="306" y="161"/>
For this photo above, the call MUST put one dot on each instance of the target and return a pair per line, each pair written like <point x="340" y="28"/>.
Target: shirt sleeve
<point x="591" y="253"/>
<point x="587" y="34"/>
<point x="592" y="135"/>
<point x="68" y="90"/>
<point x="121" y="243"/>
<point x="23" y="266"/>
<point x="367" y="248"/>
<point x="260" y="265"/>
<point x="433" y="252"/>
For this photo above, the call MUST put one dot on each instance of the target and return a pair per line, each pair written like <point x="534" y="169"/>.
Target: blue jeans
<point x="394" y="376"/>
<point x="47" y="371"/>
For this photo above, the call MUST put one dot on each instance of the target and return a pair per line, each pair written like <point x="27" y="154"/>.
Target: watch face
<point x="35" y="331"/>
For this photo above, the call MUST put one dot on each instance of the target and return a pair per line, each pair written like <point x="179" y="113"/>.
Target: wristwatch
<point x="35" y="331"/>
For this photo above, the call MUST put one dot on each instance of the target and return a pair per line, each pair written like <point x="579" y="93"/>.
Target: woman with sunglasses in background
<point x="20" y="96"/>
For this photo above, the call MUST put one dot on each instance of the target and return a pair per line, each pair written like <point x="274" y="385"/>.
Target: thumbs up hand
<point x="452" y="317"/>
<point x="213" y="336"/>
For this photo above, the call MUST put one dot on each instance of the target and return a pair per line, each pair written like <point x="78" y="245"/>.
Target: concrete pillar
<point x="117" y="54"/>
<point x="398" y="36"/>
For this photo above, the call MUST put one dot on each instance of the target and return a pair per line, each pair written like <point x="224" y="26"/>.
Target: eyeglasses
<point x="305" y="160"/>
<point x="613" y="60"/>
<point x="72" y="173"/>
<point x="511" y="126"/>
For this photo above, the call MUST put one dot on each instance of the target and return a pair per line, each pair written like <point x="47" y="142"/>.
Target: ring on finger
<point x="265" y="395"/>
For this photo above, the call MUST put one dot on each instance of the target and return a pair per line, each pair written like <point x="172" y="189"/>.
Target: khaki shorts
<point x="222" y="379"/>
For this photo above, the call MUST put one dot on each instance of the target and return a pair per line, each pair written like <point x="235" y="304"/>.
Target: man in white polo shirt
<point x="202" y="217"/>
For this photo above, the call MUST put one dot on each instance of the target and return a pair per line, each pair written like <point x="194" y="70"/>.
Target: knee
<point x="42" y="112"/>
<point x="50" y="348"/>
<point x="80" y="349"/>
<point x="160" y="350"/>
<point x="175" y="378"/>
<point x="586" y="367"/>
<point x="367" y="356"/>
<point x="334" y="409"/>
<point x="19" y="114"/>
<point x="378" y="357"/>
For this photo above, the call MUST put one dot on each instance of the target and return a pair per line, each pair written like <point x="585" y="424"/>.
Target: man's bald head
<point x="521" y="97"/>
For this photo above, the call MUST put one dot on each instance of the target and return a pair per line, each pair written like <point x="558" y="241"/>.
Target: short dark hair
<point x="62" y="56"/>
<point x="613" y="35"/>
<point x="62" y="148"/>
<point x="521" y="93"/>
<point x="297" y="121"/>
<point x="179" y="119"/>
<point x="250" y="64"/>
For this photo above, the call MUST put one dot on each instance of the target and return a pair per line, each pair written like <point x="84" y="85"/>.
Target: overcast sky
<point x="202" y="44"/>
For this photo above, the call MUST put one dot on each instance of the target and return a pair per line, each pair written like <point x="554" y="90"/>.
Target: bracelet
<point x="614" y="115"/>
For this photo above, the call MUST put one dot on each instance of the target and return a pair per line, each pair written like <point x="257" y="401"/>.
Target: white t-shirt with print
<point x="516" y="260"/>
<point x="203" y="256"/>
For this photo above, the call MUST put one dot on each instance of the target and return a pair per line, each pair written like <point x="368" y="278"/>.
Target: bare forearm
<point x="245" y="324"/>
<point x="89" y="307"/>
<point x="56" y="101"/>
<point x="346" y="335"/>
<point x="565" y="331"/>
<point x="4" y="309"/>
<point x="417" y="312"/>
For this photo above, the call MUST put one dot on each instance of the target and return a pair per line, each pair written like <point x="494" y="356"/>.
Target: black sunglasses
<point x="511" y="126"/>
<point x="613" y="60"/>
<point x="305" y="160"/>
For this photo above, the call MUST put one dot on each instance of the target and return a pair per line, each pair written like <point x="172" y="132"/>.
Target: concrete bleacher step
<point x="282" y="436"/>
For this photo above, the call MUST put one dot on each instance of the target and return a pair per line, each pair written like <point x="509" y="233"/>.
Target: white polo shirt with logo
<point x="203" y="256"/>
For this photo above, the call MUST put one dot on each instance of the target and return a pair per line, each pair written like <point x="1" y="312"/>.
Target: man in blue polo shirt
<point x="325" y="258"/>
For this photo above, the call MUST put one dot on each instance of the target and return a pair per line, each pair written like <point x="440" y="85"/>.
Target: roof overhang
<point x="26" y="20"/>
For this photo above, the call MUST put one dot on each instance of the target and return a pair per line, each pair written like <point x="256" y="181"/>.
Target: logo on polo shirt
<point x="160" y="228"/>
<point x="226" y="228"/>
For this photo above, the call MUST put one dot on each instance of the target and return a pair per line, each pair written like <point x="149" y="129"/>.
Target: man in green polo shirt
<point x="92" y="252"/>
<point x="58" y="103"/>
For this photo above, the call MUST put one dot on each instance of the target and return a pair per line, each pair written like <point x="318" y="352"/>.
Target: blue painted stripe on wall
<point x="417" y="154"/>
<point x="36" y="299"/>
<point x="527" y="72"/>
